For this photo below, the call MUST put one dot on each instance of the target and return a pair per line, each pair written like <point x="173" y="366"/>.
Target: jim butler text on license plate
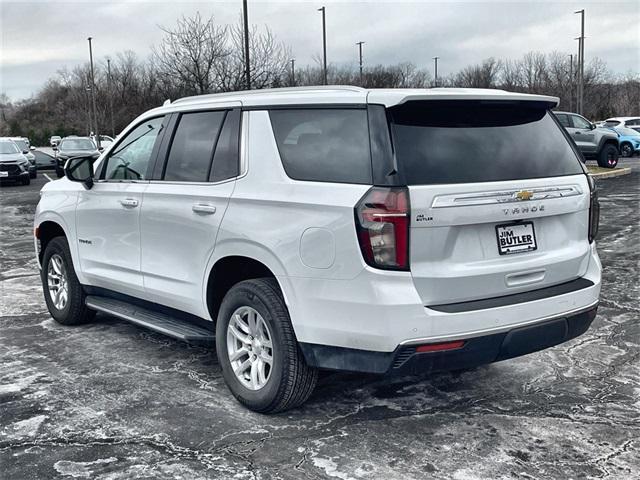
<point x="516" y="238"/>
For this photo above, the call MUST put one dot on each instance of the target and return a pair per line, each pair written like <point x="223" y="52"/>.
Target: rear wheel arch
<point x="229" y="271"/>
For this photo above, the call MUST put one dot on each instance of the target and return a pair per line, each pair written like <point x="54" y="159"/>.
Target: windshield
<point x="77" y="144"/>
<point x="629" y="132"/>
<point x="22" y="144"/>
<point x="440" y="142"/>
<point x="8" y="148"/>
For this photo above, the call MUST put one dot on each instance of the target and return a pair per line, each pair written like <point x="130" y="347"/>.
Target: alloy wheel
<point x="57" y="282"/>
<point x="250" y="348"/>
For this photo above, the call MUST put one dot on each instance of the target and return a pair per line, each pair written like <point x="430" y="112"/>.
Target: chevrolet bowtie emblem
<point x="524" y="195"/>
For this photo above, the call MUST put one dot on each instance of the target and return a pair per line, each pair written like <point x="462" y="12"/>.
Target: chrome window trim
<point x="504" y="196"/>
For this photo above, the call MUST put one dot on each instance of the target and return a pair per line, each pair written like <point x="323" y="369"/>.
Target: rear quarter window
<point x="324" y="145"/>
<point x="441" y="142"/>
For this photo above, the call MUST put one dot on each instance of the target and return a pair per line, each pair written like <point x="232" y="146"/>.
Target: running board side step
<point x="156" y="321"/>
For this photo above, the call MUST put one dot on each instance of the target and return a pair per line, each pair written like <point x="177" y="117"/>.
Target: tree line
<point x="198" y="56"/>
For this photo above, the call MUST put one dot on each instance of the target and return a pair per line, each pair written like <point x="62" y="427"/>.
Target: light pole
<point x="93" y="95"/>
<point x="580" y="100"/>
<point x="247" y="70"/>
<point x="435" y="61"/>
<point x="113" y="130"/>
<point x="578" y="82"/>
<point x="570" y="82"/>
<point x="293" y="72"/>
<point x="324" y="45"/>
<point x="360" y="50"/>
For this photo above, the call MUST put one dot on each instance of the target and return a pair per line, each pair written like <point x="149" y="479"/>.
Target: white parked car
<point x="380" y="231"/>
<point x="621" y="122"/>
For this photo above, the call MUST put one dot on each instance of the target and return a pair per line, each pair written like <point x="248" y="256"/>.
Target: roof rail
<point x="222" y="95"/>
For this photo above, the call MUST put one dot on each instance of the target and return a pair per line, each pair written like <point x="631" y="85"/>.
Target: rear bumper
<point x="405" y="360"/>
<point x="380" y="311"/>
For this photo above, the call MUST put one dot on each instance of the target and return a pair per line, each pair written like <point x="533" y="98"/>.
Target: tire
<point x="26" y="180"/>
<point x="74" y="311"/>
<point x="59" y="172"/>
<point x="34" y="174"/>
<point x="626" y="150"/>
<point x="290" y="381"/>
<point x="608" y="156"/>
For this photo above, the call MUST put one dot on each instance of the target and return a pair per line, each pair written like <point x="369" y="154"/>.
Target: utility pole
<point x="293" y="72"/>
<point x="324" y="45"/>
<point x="93" y="95"/>
<point x="247" y="64"/>
<point x="579" y="59"/>
<point x="360" y="48"/>
<point x="581" y="66"/>
<point x="435" y="60"/>
<point x="571" y="82"/>
<point x="113" y="130"/>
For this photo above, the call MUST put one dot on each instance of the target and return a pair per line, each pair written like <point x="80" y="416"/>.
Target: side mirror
<point x="24" y="152"/>
<point x="80" y="169"/>
<point x="54" y="147"/>
<point x="593" y="126"/>
<point x="32" y="148"/>
<point x="100" y="149"/>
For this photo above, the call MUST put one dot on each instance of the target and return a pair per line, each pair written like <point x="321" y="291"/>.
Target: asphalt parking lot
<point x="112" y="401"/>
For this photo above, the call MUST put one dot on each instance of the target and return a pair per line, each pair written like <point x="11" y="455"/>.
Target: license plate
<point x="516" y="238"/>
<point x="4" y="174"/>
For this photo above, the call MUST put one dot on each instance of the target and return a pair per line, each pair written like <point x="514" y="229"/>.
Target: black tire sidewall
<point x="602" y="159"/>
<point x="71" y="313"/>
<point x="239" y="296"/>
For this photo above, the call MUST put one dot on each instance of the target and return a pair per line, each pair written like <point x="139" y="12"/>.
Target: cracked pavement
<point x="109" y="400"/>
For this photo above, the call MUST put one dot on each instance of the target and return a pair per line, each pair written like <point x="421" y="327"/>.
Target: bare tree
<point x="191" y="53"/>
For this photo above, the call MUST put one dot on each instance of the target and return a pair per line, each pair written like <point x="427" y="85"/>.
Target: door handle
<point x="129" y="202"/>
<point x="205" y="208"/>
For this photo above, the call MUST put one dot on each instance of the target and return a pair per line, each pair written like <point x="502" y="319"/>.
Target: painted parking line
<point x="48" y="177"/>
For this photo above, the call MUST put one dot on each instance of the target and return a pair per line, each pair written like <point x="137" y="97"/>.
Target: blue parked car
<point x="629" y="141"/>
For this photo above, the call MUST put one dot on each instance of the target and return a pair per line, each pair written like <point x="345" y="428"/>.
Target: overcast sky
<point x="38" y="38"/>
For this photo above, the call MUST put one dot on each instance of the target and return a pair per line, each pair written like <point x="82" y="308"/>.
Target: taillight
<point x="382" y="224"/>
<point x="594" y="210"/>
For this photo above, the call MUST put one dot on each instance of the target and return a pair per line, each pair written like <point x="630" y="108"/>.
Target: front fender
<point x="60" y="207"/>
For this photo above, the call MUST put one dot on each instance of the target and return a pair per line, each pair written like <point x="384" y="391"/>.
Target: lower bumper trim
<point x="406" y="360"/>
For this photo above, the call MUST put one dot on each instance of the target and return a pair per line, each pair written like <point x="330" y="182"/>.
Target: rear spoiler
<point x="390" y="98"/>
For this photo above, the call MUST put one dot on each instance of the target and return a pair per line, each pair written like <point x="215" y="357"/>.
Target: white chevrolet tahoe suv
<point x="381" y="231"/>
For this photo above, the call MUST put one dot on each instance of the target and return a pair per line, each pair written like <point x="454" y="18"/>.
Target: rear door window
<point x="325" y="145"/>
<point x="191" y="153"/>
<point x="439" y="142"/>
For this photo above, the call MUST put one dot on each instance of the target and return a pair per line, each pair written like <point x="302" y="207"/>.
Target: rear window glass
<point x="465" y="142"/>
<point x="325" y="145"/>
